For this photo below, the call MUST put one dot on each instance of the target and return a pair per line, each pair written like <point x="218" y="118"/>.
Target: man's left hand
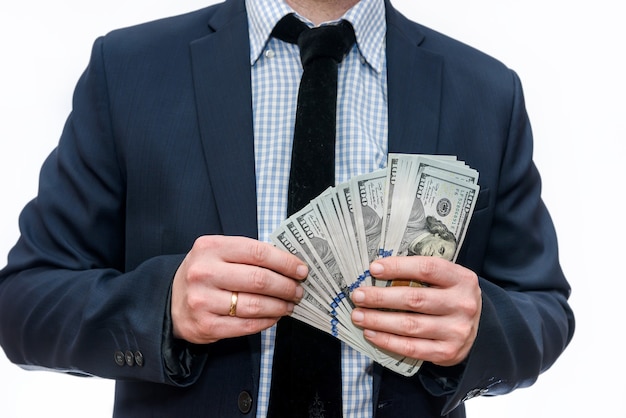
<point x="436" y="323"/>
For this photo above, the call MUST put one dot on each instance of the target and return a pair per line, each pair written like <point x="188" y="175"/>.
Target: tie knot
<point x="331" y="41"/>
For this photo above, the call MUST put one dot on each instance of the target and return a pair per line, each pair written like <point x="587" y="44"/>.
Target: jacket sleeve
<point x="68" y="300"/>
<point x="526" y="321"/>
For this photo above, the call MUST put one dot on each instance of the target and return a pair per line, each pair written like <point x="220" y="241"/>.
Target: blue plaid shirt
<point x="361" y="144"/>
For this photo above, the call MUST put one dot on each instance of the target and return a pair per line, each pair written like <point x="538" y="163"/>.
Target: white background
<point x="570" y="57"/>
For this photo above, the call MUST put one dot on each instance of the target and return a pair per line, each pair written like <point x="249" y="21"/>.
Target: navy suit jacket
<point x="158" y="150"/>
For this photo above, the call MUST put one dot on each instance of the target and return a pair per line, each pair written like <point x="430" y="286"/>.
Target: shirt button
<point x="244" y="402"/>
<point x="130" y="358"/>
<point x="269" y="53"/>
<point x="119" y="358"/>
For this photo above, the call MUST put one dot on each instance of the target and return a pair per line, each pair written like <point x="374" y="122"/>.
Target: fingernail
<point x="302" y="271"/>
<point x="376" y="268"/>
<point x="369" y="333"/>
<point x="358" y="296"/>
<point x="357" y="316"/>
<point x="290" y="307"/>
<point x="299" y="292"/>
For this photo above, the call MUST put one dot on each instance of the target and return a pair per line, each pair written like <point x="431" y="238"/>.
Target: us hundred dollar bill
<point x="447" y="199"/>
<point x="434" y="222"/>
<point x="418" y="205"/>
<point x="369" y="191"/>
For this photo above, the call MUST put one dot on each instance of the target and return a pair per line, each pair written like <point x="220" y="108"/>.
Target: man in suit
<point x="156" y="206"/>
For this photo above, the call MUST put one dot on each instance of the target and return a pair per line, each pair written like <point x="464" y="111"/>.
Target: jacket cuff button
<point x="139" y="358"/>
<point x="130" y="358"/>
<point x="120" y="360"/>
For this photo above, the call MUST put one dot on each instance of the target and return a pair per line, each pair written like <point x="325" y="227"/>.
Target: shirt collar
<point x="367" y="17"/>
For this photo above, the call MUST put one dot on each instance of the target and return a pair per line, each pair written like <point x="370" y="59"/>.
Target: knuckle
<point x="428" y="266"/>
<point x="409" y="349"/>
<point x="204" y="328"/>
<point x="372" y="321"/>
<point x="468" y="307"/>
<point x="253" y="306"/>
<point x="259" y="279"/>
<point x="414" y="301"/>
<point x="288" y="262"/>
<point x="410" y="325"/>
<point x="258" y="252"/>
<point x="195" y="302"/>
<point x="375" y="296"/>
<point x="470" y="277"/>
<point x="456" y="357"/>
<point x="195" y="273"/>
<point x="206" y="242"/>
<point x="393" y="266"/>
<point x="445" y="354"/>
<point x="450" y="352"/>
<point x="249" y="326"/>
<point x="383" y="339"/>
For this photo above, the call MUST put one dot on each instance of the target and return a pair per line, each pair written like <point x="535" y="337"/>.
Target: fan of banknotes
<point x="418" y="205"/>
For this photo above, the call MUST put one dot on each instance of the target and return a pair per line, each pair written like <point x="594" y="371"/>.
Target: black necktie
<point x="306" y="376"/>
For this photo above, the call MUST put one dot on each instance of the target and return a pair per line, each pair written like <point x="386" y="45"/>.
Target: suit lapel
<point x="413" y="86"/>
<point x="221" y="73"/>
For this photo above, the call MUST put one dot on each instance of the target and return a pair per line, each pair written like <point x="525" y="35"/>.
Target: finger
<point x="401" y="323"/>
<point x="248" y="305"/>
<point x="443" y="353"/>
<point x="255" y="253"/>
<point x="256" y="280"/>
<point x="235" y="304"/>
<point x="431" y="270"/>
<point x="203" y="319"/>
<point x="425" y="300"/>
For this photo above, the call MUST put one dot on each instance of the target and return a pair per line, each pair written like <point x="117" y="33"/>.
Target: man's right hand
<point x="265" y="279"/>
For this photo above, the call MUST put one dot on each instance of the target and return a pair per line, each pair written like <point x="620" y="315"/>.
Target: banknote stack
<point x="418" y="205"/>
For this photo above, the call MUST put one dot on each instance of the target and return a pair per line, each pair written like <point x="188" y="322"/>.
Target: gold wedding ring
<point x="233" y="304"/>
